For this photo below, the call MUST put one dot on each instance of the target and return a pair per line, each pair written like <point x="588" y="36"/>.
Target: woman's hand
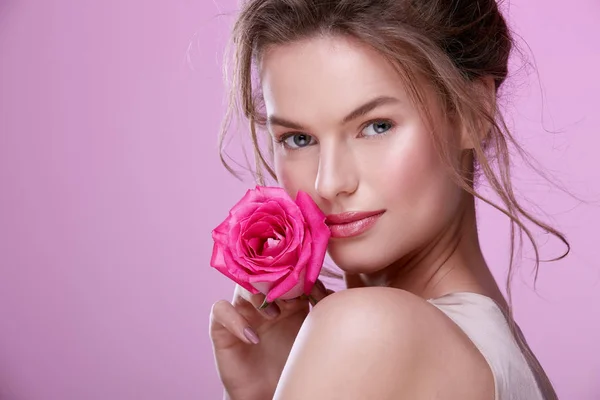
<point x="251" y="346"/>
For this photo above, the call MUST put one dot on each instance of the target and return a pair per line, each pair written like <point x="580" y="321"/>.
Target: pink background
<point x="110" y="185"/>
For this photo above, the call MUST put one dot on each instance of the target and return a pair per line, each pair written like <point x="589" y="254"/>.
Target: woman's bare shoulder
<point x="382" y="343"/>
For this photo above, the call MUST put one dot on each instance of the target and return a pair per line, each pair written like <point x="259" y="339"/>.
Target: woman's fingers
<point x="319" y="292"/>
<point x="270" y="312"/>
<point x="230" y="322"/>
<point x="227" y="325"/>
<point x="249" y="304"/>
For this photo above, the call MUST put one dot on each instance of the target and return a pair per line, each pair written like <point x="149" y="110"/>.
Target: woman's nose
<point x="337" y="174"/>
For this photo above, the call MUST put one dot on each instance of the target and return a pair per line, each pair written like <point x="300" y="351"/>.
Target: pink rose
<point x="272" y="245"/>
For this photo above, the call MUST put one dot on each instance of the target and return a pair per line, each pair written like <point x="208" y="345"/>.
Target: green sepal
<point x="264" y="305"/>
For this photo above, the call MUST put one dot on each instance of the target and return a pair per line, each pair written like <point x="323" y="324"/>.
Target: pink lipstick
<point x="350" y="224"/>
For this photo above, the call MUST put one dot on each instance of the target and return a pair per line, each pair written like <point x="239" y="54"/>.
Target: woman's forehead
<point x="325" y="72"/>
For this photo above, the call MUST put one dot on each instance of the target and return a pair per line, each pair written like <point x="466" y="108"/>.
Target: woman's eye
<point x="297" y="140"/>
<point x="377" y="128"/>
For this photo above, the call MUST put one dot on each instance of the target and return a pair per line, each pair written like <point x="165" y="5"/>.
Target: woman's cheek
<point x="291" y="173"/>
<point x="415" y="179"/>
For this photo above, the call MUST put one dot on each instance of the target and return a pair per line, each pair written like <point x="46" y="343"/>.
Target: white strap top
<point x="483" y="322"/>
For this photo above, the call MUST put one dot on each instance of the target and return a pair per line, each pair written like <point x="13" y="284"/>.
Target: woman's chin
<point x="351" y="261"/>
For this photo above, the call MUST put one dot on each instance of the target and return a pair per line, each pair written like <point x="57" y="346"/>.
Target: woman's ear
<point x="486" y="94"/>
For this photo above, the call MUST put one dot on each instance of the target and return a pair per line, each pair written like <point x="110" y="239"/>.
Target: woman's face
<point x="346" y="133"/>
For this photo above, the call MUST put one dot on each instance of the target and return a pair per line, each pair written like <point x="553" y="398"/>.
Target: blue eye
<point x="297" y="140"/>
<point x="377" y="128"/>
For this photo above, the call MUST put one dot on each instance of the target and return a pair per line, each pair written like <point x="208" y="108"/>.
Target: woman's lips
<point x="351" y="224"/>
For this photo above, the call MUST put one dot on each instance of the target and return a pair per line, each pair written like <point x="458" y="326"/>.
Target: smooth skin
<point x="250" y="368"/>
<point x="346" y="132"/>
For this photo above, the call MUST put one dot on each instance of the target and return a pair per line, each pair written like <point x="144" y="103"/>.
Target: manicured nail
<point x="251" y="335"/>
<point x="271" y="310"/>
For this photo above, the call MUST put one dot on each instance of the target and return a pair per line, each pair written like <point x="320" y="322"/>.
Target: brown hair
<point x="451" y="43"/>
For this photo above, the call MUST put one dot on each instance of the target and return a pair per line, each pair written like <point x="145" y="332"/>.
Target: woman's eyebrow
<point x="369" y="106"/>
<point x="275" y="120"/>
<point x="358" y="112"/>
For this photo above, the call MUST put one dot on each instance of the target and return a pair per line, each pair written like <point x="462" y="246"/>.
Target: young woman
<point x="384" y="111"/>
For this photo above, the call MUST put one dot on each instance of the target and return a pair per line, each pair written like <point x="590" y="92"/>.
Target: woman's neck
<point x="452" y="262"/>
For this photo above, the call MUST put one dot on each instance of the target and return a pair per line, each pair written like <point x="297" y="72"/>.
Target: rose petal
<point x="262" y="218"/>
<point x="262" y="194"/>
<point x="276" y="222"/>
<point x="290" y="246"/>
<point x="225" y="237"/>
<point x="253" y="247"/>
<point x="292" y="240"/>
<point x="263" y="287"/>
<point x="292" y="220"/>
<point x="252" y="196"/>
<point x="279" y="195"/>
<point x="284" y="207"/>
<point x="261" y="229"/>
<point x="295" y="291"/>
<point x="241" y="211"/>
<point x="287" y="255"/>
<point x="290" y="287"/>
<point x="260" y="265"/>
<point x="218" y="261"/>
<point x="238" y="270"/>
<point x="296" y="277"/>
<point x="271" y="277"/>
<point x="267" y="235"/>
<point x="293" y="227"/>
<point x="320" y="233"/>
<point x="295" y="220"/>
<point x="236" y="245"/>
<point x="261" y="214"/>
<point x="221" y="233"/>
<point x="271" y="192"/>
<point x="265" y="282"/>
<point x="273" y="246"/>
<point x="255" y="238"/>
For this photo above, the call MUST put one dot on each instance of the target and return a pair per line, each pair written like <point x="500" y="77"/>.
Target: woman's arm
<point x="382" y="343"/>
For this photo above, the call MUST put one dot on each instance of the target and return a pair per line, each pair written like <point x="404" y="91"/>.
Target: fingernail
<point x="272" y="310"/>
<point x="291" y="300"/>
<point x="251" y="335"/>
